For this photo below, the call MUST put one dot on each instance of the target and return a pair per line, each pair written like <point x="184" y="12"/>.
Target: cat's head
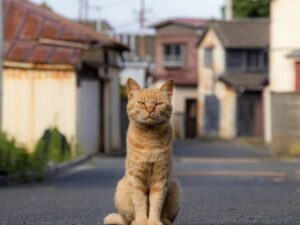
<point x="149" y="106"/>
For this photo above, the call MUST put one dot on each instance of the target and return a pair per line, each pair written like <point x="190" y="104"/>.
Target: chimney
<point x="229" y="10"/>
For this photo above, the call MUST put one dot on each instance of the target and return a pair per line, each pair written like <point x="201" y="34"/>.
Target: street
<point x="223" y="184"/>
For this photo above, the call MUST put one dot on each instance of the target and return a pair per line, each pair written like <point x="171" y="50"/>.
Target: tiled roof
<point x="27" y="25"/>
<point x="245" y="81"/>
<point x="188" y="22"/>
<point x="242" y="33"/>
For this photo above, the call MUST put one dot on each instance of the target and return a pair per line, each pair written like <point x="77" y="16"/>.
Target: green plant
<point x="15" y="161"/>
<point x="251" y="8"/>
<point x="18" y="163"/>
<point x="55" y="145"/>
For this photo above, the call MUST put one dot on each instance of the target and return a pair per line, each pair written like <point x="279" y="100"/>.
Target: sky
<point x="123" y="14"/>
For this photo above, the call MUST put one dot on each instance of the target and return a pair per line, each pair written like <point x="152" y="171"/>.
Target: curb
<point x="50" y="172"/>
<point x="63" y="167"/>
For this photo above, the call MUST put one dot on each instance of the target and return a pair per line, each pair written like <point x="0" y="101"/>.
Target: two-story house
<point x="176" y="58"/>
<point x="232" y="72"/>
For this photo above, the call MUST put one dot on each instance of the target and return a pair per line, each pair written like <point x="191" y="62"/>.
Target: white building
<point x="281" y="97"/>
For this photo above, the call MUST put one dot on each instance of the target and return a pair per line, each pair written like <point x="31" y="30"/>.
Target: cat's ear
<point x="132" y="87"/>
<point x="168" y="87"/>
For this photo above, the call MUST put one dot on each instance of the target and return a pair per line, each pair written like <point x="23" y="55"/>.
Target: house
<point x="58" y="73"/>
<point x="282" y="96"/>
<point x="139" y="61"/>
<point x="232" y="72"/>
<point x="101" y="26"/>
<point x="176" y="58"/>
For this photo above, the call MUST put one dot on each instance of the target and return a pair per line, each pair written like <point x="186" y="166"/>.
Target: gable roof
<point x="241" y="33"/>
<point x="193" y="23"/>
<point x="34" y="34"/>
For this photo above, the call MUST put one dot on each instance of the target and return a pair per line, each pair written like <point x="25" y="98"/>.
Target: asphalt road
<point x="223" y="184"/>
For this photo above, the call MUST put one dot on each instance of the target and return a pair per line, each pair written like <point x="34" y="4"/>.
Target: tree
<point x="251" y="8"/>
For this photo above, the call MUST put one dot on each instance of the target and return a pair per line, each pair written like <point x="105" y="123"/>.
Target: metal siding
<point x="34" y="100"/>
<point x="89" y="115"/>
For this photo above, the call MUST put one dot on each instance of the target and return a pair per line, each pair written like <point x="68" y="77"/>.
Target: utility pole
<point x="142" y="27"/>
<point x="1" y="59"/>
<point x="83" y="10"/>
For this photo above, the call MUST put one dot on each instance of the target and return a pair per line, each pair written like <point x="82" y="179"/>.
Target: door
<point x="190" y="118"/>
<point x="212" y="115"/>
<point x="249" y="114"/>
<point x="89" y="115"/>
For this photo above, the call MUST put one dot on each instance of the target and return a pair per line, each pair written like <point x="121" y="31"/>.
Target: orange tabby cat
<point x="147" y="194"/>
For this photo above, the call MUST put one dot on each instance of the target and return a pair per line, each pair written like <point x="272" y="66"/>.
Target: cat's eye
<point x="159" y="103"/>
<point x="141" y="103"/>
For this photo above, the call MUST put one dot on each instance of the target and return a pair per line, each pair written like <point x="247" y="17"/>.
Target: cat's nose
<point x="150" y="109"/>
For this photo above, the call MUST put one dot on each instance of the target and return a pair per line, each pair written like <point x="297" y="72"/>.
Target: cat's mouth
<point x="150" y="117"/>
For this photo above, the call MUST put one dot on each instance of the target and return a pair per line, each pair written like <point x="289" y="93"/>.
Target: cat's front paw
<point x="139" y="222"/>
<point x="154" y="222"/>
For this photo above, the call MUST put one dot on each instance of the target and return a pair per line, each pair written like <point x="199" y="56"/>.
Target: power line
<point x="113" y="4"/>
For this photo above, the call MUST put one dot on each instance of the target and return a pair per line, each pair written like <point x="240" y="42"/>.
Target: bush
<point x="55" y="145"/>
<point x="17" y="162"/>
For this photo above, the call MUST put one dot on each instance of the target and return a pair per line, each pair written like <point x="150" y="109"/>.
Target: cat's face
<point x="149" y="106"/>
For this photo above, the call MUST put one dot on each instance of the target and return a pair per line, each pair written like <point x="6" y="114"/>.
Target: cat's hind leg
<point x="123" y="204"/>
<point x="123" y="201"/>
<point x="172" y="203"/>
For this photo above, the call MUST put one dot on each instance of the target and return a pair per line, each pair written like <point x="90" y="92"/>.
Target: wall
<point x="88" y="97"/>
<point x="176" y="34"/>
<point x="207" y="77"/>
<point x="180" y="94"/>
<point x="285" y="37"/>
<point x="112" y="123"/>
<point x="228" y="100"/>
<point x="285" y="123"/>
<point x="34" y="100"/>
<point x="137" y="71"/>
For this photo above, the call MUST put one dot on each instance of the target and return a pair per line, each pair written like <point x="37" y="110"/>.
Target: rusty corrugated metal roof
<point x="26" y="24"/>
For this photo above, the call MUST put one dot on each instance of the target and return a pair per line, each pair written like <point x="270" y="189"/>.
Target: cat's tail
<point x="113" y="219"/>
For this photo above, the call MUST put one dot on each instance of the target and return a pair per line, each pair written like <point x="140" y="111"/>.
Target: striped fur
<point x="148" y="194"/>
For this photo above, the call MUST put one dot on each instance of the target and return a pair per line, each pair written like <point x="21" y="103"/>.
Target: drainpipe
<point x="1" y="60"/>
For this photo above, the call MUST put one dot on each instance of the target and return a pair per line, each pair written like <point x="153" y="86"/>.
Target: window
<point x="208" y="57"/>
<point x="173" y="55"/>
<point x="235" y="61"/>
<point x="247" y="60"/>
<point x="253" y="60"/>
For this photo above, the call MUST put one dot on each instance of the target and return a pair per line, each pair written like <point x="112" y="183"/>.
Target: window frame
<point x="208" y="59"/>
<point x="245" y="60"/>
<point x="174" y="59"/>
